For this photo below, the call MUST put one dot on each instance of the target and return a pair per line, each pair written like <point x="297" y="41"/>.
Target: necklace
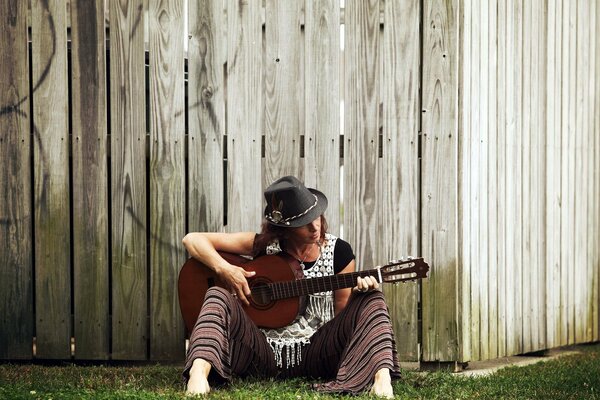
<point x="307" y="253"/>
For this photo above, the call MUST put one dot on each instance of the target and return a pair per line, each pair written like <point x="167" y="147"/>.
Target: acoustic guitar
<point x="276" y="287"/>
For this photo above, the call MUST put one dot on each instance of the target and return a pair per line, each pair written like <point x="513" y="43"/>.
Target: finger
<point x="360" y="284"/>
<point x="373" y="284"/>
<point x="249" y="274"/>
<point x="242" y="296"/>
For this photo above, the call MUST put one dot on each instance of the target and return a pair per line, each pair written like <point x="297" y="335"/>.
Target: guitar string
<point x="312" y="284"/>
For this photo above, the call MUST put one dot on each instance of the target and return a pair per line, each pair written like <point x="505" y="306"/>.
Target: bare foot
<point x="198" y="382"/>
<point x="382" y="385"/>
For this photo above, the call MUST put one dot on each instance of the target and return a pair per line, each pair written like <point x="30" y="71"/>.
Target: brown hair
<point x="270" y="232"/>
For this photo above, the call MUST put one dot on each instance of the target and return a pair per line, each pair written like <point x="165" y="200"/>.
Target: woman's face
<point x="309" y="233"/>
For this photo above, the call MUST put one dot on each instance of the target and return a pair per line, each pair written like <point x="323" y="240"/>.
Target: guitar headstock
<point x="403" y="270"/>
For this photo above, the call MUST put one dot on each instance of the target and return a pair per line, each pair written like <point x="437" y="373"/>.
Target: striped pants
<point x="347" y="351"/>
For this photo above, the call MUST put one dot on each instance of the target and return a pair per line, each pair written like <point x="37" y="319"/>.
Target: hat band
<point x="276" y="217"/>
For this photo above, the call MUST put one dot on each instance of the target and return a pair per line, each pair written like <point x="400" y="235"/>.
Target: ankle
<point x="383" y="375"/>
<point x="201" y="367"/>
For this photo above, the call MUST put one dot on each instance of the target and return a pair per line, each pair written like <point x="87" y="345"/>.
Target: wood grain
<point x="167" y="176"/>
<point x="16" y="247"/>
<point x="400" y="162"/>
<point x="361" y="125"/>
<point x="51" y="180"/>
<point x="207" y="51"/>
<point x="282" y="90"/>
<point x="90" y="181"/>
<point x="244" y="111"/>
<point x="322" y="104"/>
<point x="128" y="182"/>
<point x="439" y="191"/>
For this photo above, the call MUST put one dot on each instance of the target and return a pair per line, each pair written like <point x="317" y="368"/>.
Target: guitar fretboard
<point x="302" y="287"/>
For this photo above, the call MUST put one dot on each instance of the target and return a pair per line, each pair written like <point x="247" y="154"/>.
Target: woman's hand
<point x="366" y="284"/>
<point x="236" y="279"/>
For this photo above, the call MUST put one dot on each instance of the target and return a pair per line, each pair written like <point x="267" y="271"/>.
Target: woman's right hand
<point x="236" y="279"/>
<point x="204" y="247"/>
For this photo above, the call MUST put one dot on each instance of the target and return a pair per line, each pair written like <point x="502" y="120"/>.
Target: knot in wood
<point x="207" y="92"/>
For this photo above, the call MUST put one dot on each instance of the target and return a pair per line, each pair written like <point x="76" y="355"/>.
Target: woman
<point x="343" y="336"/>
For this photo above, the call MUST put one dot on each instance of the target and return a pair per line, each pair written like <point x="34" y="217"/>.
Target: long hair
<point x="270" y="232"/>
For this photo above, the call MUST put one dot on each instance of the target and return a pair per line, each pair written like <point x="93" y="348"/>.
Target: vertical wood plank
<point x="128" y="181"/>
<point x="439" y="185"/>
<point x="588" y="184"/>
<point x="526" y="194"/>
<point x="533" y="93"/>
<point x="207" y="48"/>
<point x="51" y="180"/>
<point x="361" y="123"/>
<point x="502" y="133"/>
<point x="483" y="190"/>
<point x="475" y="180"/>
<point x="593" y="199"/>
<point x="513" y="178"/>
<point x="538" y="168"/>
<point x="568" y="178"/>
<point x="552" y="166"/>
<point x="244" y="105"/>
<point x="464" y="179"/>
<point x="492" y="181"/>
<point x="596" y="239"/>
<point x="579" y="171"/>
<point x="322" y="103"/>
<point x="167" y="176"/>
<point x="16" y="255"/>
<point x="281" y="90"/>
<point x="90" y="192"/>
<point x="400" y="162"/>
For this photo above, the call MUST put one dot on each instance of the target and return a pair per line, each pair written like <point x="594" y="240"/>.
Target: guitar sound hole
<point x="261" y="295"/>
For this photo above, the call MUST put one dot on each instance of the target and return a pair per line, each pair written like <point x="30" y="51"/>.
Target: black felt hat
<point x="291" y="204"/>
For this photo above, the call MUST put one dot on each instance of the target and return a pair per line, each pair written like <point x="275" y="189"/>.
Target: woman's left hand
<point x="366" y="284"/>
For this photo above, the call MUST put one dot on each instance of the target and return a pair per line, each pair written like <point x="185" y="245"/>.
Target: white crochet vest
<point x="319" y="310"/>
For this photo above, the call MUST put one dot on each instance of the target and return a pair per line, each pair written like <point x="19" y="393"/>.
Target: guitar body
<point x="195" y="279"/>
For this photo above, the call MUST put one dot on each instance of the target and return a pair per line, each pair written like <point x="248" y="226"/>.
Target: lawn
<point x="570" y="377"/>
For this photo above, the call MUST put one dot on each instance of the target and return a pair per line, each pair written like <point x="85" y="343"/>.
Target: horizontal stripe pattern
<point x="347" y="351"/>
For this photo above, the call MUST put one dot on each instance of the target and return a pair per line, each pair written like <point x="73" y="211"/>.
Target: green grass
<point x="569" y="377"/>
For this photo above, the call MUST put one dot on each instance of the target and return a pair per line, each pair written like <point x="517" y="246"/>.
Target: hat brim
<point x="307" y="218"/>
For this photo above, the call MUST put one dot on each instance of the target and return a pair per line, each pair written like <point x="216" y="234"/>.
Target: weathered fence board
<point x="90" y="184"/>
<point x="439" y="193"/>
<point x="400" y="137"/>
<point x="465" y="328"/>
<point x="167" y="176"/>
<point x="492" y="180"/>
<point x="128" y="181"/>
<point x="513" y="178"/>
<point x="322" y="103"/>
<point x="283" y="90"/>
<point x="243" y="115"/>
<point x="16" y="251"/>
<point x="475" y="182"/>
<point x="51" y="180"/>
<point x="552" y="167"/>
<point x="596" y="177"/>
<point x="502" y="132"/>
<point x="361" y="130"/>
<point x="564" y="189"/>
<point x="207" y="51"/>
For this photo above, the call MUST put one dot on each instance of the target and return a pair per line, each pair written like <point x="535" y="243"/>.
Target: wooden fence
<point x="464" y="131"/>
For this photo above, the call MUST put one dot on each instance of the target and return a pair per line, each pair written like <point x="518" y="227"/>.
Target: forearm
<point x="202" y="249"/>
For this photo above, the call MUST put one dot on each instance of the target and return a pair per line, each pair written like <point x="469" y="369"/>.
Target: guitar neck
<point x="303" y="287"/>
